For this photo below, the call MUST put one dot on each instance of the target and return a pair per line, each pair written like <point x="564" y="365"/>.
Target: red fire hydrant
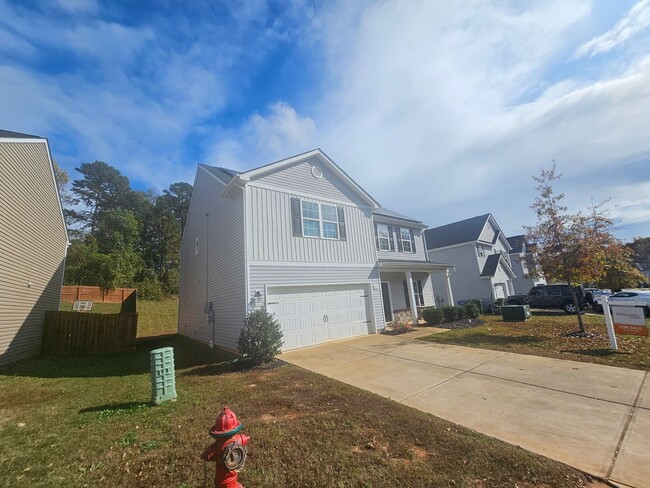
<point x="228" y="451"/>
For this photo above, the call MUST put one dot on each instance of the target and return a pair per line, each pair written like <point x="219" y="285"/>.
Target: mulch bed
<point x="461" y="324"/>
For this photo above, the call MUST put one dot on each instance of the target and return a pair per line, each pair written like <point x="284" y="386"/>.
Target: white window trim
<point x="480" y="251"/>
<point x="387" y="239"/>
<point x="410" y="242"/>
<point x="418" y="294"/>
<point x="320" y="221"/>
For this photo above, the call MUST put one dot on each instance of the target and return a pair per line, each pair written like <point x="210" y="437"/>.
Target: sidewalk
<point x="593" y="417"/>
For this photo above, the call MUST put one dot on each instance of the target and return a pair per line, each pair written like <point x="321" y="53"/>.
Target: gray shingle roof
<point x="456" y="233"/>
<point x="221" y="173"/>
<point x="491" y="264"/>
<point x="17" y="135"/>
<point x="383" y="211"/>
<point x="517" y="243"/>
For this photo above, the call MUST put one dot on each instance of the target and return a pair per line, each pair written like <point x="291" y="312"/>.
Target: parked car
<point x="626" y="296"/>
<point x="550" y="296"/>
<point x="592" y="293"/>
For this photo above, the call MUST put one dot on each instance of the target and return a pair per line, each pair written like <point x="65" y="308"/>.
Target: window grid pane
<point x="311" y="228"/>
<point x="330" y="231"/>
<point x="329" y="213"/>
<point x="310" y="210"/>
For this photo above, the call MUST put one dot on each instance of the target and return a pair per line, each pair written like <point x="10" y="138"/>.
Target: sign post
<point x="609" y="323"/>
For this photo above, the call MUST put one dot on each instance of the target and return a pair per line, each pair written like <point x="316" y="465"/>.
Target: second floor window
<point x="314" y="219"/>
<point x="383" y="237"/>
<point x="407" y="243"/>
<point x="310" y="219"/>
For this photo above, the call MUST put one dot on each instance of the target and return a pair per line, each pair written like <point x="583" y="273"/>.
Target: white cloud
<point x="77" y="6"/>
<point x="637" y="19"/>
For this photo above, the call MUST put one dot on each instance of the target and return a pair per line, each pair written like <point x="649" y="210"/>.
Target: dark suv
<point x="550" y="296"/>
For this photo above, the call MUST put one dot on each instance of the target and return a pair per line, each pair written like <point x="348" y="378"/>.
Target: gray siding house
<point x="479" y="252"/>
<point x="304" y="240"/>
<point x="33" y="243"/>
<point x="522" y="260"/>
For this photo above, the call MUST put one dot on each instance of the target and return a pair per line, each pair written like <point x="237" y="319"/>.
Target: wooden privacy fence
<point x="73" y="293"/>
<point x="88" y="333"/>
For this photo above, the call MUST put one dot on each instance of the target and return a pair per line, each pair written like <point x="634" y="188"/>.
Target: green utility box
<point x="163" y="380"/>
<point x="515" y="313"/>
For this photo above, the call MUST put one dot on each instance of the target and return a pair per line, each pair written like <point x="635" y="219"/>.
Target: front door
<point x="385" y="294"/>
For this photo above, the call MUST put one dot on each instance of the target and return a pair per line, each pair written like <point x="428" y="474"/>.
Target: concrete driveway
<point x="595" y="418"/>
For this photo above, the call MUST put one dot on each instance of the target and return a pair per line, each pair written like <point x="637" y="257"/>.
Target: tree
<point x="102" y="188"/>
<point x="640" y="246"/>
<point x="571" y="248"/>
<point x="178" y="198"/>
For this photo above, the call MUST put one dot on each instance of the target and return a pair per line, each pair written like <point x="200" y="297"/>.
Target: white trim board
<point x="314" y="264"/>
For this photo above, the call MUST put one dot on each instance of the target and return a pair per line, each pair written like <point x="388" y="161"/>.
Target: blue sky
<point x="441" y="110"/>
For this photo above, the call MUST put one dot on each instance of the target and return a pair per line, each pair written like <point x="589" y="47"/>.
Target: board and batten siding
<point x="270" y="236"/>
<point x="420" y="253"/>
<point x="298" y="178"/>
<point x="262" y="276"/>
<point x="33" y="244"/>
<point x="220" y="262"/>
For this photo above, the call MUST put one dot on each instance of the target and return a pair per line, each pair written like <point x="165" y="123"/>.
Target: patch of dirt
<point x="419" y="453"/>
<point x="461" y="324"/>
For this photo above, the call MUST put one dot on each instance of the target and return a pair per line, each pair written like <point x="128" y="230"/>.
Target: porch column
<point x="414" y="308"/>
<point x="450" y="295"/>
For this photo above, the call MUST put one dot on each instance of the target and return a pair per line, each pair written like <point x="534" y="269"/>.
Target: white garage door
<point x="321" y="313"/>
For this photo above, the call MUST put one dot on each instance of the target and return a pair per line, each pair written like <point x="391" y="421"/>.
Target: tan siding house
<point x="33" y="243"/>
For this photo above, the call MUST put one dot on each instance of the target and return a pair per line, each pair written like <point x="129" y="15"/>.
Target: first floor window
<point x="383" y="237"/>
<point x="407" y="244"/>
<point x="417" y="291"/>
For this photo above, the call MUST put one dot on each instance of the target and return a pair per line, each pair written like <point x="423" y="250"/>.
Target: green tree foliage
<point x="261" y="338"/>
<point x="123" y="237"/>
<point x="572" y="248"/>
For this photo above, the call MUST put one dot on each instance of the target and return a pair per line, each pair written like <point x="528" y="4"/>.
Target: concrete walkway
<point x="595" y="418"/>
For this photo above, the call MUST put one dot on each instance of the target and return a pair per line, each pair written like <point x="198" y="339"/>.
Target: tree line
<point x="121" y="237"/>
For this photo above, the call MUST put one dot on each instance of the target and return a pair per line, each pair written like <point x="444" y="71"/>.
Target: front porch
<point x="408" y="286"/>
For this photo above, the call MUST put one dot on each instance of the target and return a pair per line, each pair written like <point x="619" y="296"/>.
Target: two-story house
<point x="523" y="263"/>
<point x="304" y="240"/>
<point x="479" y="252"/>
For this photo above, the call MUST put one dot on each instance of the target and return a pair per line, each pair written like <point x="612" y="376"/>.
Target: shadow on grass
<point x="187" y="354"/>
<point x="116" y="408"/>
<point x="603" y="352"/>
<point x="480" y="339"/>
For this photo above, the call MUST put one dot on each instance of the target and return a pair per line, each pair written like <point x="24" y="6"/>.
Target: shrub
<point x="261" y="338"/>
<point x="432" y="315"/>
<point x="450" y="313"/>
<point x="150" y="289"/>
<point x="471" y="311"/>
<point x="460" y="312"/>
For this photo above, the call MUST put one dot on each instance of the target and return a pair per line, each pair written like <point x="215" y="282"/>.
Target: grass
<point x="544" y="335"/>
<point x="86" y="421"/>
<point x="154" y="317"/>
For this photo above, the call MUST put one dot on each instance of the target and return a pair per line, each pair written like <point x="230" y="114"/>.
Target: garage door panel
<point x="321" y="313"/>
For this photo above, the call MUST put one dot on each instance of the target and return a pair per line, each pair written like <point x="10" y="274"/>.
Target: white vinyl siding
<point x="418" y="240"/>
<point x="396" y="282"/>
<point x="33" y="244"/>
<point x="222" y="254"/>
<point x="298" y="178"/>
<point x="270" y="235"/>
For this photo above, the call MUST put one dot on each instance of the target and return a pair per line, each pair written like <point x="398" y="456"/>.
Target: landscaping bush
<point x="460" y="312"/>
<point x="432" y="315"/>
<point x="450" y="313"/>
<point x="471" y="311"/>
<point x="261" y="338"/>
<point x="150" y="289"/>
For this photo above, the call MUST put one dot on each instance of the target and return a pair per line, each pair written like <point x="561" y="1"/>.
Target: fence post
<point x="609" y="323"/>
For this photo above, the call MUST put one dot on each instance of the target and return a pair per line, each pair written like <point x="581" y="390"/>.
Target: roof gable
<point x="9" y="134"/>
<point x="314" y="155"/>
<point x="517" y="243"/>
<point x="467" y="230"/>
<point x="492" y="263"/>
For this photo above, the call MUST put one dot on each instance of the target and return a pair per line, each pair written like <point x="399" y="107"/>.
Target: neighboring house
<point x="522" y="261"/>
<point x="304" y="240"/>
<point x="33" y="245"/>
<point x="645" y="269"/>
<point x="479" y="252"/>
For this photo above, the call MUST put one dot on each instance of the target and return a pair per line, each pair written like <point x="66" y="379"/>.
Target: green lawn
<point x="86" y="421"/>
<point x="154" y="317"/>
<point x="544" y="335"/>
